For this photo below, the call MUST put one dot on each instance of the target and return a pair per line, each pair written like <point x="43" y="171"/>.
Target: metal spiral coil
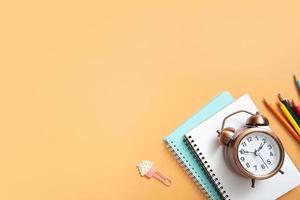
<point x="204" y="163"/>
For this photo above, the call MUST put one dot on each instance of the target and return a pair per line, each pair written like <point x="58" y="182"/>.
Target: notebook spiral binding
<point x="186" y="169"/>
<point x="173" y="149"/>
<point x="203" y="162"/>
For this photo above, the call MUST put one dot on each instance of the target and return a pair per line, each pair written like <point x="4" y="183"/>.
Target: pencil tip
<point x="280" y="97"/>
<point x="264" y="100"/>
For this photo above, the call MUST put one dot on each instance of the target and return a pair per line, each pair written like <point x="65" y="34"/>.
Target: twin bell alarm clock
<point x="254" y="151"/>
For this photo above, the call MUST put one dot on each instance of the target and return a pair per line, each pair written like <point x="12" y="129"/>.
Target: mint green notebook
<point x="176" y="144"/>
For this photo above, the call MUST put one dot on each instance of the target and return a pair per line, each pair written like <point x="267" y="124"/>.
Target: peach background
<point x="88" y="89"/>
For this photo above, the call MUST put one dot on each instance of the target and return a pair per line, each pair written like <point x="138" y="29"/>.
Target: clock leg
<point x="282" y="172"/>
<point x="253" y="183"/>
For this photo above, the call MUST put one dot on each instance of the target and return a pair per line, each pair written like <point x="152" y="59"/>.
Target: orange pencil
<point x="281" y="119"/>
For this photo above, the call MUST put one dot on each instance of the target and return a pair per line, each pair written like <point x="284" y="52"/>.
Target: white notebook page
<point x="236" y="186"/>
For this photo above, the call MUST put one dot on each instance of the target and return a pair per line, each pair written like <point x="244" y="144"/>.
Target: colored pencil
<point x="290" y="109"/>
<point x="296" y="108"/>
<point x="297" y="82"/>
<point x="289" y="117"/>
<point x="282" y="120"/>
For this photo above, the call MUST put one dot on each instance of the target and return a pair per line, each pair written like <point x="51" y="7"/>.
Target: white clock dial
<point x="259" y="153"/>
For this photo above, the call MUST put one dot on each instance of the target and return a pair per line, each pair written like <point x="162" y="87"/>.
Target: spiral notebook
<point x="176" y="144"/>
<point x="204" y="144"/>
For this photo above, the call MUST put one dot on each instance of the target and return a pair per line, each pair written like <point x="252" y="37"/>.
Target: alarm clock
<point x="253" y="151"/>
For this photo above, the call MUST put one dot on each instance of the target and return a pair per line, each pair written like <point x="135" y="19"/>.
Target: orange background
<point x="89" y="89"/>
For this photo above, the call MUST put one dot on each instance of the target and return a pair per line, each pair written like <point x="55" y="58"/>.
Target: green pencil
<point x="288" y="106"/>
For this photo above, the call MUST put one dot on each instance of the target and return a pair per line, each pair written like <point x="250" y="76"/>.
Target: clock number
<point x="268" y="161"/>
<point x="264" y="140"/>
<point x="248" y="165"/>
<point x="244" y="144"/>
<point x="263" y="166"/>
<point x="249" y="139"/>
<point x="242" y="151"/>
<point x="255" y="166"/>
<point x="269" y="146"/>
<point x="271" y="153"/>
<point x="242" y="159"/>
<point x="256" y="138"/>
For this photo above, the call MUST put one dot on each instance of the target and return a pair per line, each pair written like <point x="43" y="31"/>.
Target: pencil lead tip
<point x="280" y="97"/>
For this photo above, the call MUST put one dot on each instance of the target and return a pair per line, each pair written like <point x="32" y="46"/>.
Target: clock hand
<point x="261" y="146"/>
<point x="263" y="160"/>
<point x="249" y="152"/>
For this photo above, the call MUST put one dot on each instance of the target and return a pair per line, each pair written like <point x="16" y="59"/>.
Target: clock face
<point x="259" y="153"/>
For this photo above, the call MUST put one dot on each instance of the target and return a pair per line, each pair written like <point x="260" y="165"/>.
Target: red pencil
<point x="296" y="107"/>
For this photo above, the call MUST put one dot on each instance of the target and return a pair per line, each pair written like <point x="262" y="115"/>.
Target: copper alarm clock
<point x="254" y="151"/>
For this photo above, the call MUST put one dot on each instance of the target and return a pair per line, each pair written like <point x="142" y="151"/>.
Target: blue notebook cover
<point x="176" y="144"/>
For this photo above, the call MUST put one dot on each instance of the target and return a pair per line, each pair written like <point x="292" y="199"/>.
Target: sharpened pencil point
<point x="297" y="83"/>
<point x="294" y="104"/>
<point x="264" y="100"/>
<point x="280" y="97"/>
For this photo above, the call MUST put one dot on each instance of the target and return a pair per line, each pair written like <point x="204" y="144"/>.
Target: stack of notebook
<point x="205" y="164"/>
